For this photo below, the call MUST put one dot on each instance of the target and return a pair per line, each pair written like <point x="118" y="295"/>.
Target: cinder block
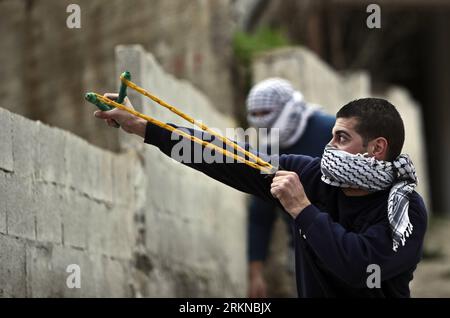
<point x="152" y="228"/>
<point x="121" y="178"/>
<point x="51" y="155"/>
<point x="12" y="267"/>
<point x="92" y="276"/>
<point x="43" y="279"/>
<point x="104" y="182"/>
<point x="20" y="207"/>
<point x="79" y="165"/>
<point x="154" y="175"/>
<point x="119" y="226"/>
<point x="93" y="183"/>
<point x="174" y="194"/>
<point x="183" y="236"/>
<point x="25" y="137"/>
<point x="97" y="231"/>
<point x="50" y="202"/>
<point x="168" y="239"/>
<point x="160" y="284"/>
<point x="158" y="184"/>
<point x="48" y="272"/>
<point x="75" y="217"/>
<point x="6" y="157"/>
<point x="115" y="279"/>
<point x="89" y="169"/>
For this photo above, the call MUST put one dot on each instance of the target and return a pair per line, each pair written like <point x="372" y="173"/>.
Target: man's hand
<point x="257" y="287"/>
<point x="129" y="122"/>
<point x="287" y="188"/>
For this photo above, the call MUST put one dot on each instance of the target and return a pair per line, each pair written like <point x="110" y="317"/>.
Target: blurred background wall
<point x="46" y="66"/>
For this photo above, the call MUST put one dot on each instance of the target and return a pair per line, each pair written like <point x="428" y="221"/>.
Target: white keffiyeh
<point x="292" y="121"/>
<point x="285" y="110"/>
<point x="345" y="170"/>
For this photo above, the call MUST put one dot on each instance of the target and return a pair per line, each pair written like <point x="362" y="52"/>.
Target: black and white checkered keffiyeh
<point x="285" y="110"/>
<point x="345" y="170"/>
<point x="268" y="96"/>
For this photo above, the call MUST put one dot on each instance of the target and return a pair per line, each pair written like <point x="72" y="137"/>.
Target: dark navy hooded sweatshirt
<point x="338" y="239"/>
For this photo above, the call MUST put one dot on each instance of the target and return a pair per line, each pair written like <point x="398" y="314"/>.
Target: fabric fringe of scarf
<point x="403" y="237"/>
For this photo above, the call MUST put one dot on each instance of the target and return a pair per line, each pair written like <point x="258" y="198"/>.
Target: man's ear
<point x="378" y="148"/>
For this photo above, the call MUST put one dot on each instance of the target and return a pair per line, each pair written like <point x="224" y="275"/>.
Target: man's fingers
<point x="280" y="180"/>
<point x="101" y="114"/>
<point x="282" y="173"/>
<point x="112" y="123"/>
<point x="127" y="102"/>
<point x="276" y="182"/>
<point x="275" y="192"/>
<point x="115" y="96"/>
<point x="112" y="96"/>
<point x="107" y="116"/>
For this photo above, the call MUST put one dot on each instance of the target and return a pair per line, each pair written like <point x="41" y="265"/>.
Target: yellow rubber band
<point x="173" y="109"/>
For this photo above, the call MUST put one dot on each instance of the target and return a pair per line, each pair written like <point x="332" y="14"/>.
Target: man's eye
<point x="342" y="139"/>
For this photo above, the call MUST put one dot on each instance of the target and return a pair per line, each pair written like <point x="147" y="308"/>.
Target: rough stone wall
<point x="324" y="86"/>
<point x="316" y="80"/>
<point x="137" y="223"/>
<point x="46" y="67"/>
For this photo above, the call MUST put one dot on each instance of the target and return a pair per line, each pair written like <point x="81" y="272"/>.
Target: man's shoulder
<point x="417" y="207"/>
<point x="417" y="201"/>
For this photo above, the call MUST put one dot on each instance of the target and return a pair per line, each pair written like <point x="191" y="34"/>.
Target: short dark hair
<point x="377" y="118"/>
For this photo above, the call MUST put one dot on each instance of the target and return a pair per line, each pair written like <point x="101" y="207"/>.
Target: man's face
<point x="345" y="136"/>
<point x="260" y="113"/>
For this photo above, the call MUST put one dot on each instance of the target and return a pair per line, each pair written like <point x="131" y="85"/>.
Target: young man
<point x="303" y="129"/>
<point x="354" y="210"/>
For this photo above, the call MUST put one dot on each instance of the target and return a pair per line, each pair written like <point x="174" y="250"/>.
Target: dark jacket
<point x="336" y="237"/>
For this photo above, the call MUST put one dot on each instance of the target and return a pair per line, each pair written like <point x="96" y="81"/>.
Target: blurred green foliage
<point x="246" y="45"/>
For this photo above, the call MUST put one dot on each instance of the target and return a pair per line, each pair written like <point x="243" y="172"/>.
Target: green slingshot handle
<point x="123" y="87"/>
<point x="92" y="98"/>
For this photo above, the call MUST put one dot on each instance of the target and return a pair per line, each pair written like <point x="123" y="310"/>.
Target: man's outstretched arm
<point x="236" y="175"/>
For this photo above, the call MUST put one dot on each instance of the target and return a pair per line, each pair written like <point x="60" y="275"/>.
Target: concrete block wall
<point x="207" y="221"/>
<point x="59" y="206"/>
<point x="46" y="67"/>
<point x="137" y="223"/>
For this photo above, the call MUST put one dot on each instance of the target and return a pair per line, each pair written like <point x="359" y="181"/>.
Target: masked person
<point x="302" y="129"/>
<point x="358" y="225"/>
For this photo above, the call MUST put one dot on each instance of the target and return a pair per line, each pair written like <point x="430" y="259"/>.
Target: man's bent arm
<point x="236" y="175"/>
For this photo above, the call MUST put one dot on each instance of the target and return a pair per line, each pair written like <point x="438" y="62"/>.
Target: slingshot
<point x="106" y="104"/>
